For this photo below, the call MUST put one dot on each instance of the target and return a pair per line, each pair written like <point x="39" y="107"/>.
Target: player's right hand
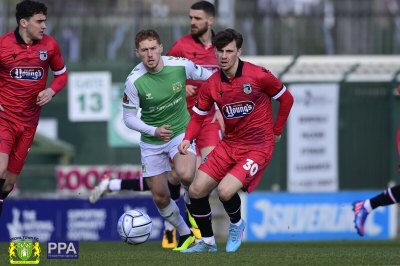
<point x="184" y="146"/>
<point x="163" y="132"/>
<point x="1" y="108"/>
<point x="190" y="90"/>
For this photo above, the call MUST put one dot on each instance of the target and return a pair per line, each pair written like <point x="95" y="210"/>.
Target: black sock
<point x="3" y="195"/>
<point x="134" y="184"/>
<point x="232" y="208"/>
<point x="388" y="197"/>
<point x="201" y="212"/>
<point x="174" y="190"/>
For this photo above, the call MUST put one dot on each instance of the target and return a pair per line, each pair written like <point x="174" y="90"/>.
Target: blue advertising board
<point x="314" y="216"/>
<point x="73" y="219"/>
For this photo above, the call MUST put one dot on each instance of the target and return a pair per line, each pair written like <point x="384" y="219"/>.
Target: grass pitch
<point x="298" y="253"/>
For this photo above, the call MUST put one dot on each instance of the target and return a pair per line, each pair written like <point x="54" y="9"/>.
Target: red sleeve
<point x="271" y="84"/>
<point x="285" y="105"/>
<point x="57" y="65"/>
<point x="56" y="61"/>
<point x="203" y="105"/>
<point x="194" y="127"/>
<point x="176" y="50"/>
<point x="59" y="82"/>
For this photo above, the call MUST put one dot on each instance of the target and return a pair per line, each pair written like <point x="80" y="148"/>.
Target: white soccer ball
<point x="134" y="227"/>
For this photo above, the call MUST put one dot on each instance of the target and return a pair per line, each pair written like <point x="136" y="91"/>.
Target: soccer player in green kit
<point x="157" y="86"/>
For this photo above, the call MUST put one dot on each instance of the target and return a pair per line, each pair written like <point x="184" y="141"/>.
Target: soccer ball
<point x="134" y="227"/>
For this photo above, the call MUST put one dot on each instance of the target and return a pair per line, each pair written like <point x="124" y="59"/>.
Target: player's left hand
<point x="218" y="117"/>
<point x="44" y="96"/>
<point x="277" y="138"/>
<point x="183" y="147"/>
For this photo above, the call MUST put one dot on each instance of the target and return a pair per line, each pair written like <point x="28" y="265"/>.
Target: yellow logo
<point x="177" y="87"/>
<point x="20" y="251"/>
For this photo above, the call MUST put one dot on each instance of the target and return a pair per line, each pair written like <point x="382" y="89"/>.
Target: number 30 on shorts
<point x="251" y="166"/>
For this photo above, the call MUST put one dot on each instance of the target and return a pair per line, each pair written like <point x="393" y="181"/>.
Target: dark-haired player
<point x="243" y="93"/>
<point x="26" y="54"/>
<point x="197" y="46"/>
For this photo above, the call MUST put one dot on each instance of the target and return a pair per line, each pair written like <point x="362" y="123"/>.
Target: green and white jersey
<point x="162" y="95"/>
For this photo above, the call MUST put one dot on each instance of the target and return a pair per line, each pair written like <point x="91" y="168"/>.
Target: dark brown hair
<point x="27" y="9"/>
<point x="224" y="37"/>
<point x="206" y="6"/>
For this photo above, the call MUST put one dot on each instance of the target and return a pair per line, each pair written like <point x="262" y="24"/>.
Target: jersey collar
<point x="238" y="73"/>
<point x="19" y="38"/>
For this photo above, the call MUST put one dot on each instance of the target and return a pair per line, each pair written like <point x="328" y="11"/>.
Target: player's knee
<point x="225" y="194"/>
<point x="186" y="176"/>
<point x="3" y="171"/>
<point x="7" y="188"/>
<point x="173" y="178"/>
<point x="196" y="191"/>
<point x="161" y="200"/>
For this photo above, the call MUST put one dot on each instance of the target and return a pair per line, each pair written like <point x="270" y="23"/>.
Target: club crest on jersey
<point x="247" y="88"/>
<point x="27" y="73"/>
<point x="177" y="87"/>
<point x="43" y="55"/>
<point x="238" y="110"/>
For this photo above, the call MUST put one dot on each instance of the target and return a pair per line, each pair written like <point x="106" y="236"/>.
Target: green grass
<point x="298" y="253"/>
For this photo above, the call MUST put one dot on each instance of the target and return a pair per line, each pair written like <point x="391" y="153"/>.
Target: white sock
<point x="209" y="240"/>
<point x="367" y="206"/>
<point x="115" y="184"/>
<point x="172" y="215"/>
<point x="168" y="226"/>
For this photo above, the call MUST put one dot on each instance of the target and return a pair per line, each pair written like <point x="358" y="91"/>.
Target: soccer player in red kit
<point x="197" y="46"/>
<point x="25" y="57"/>
<point x="243" y="93"/>
<point x="390" y="196"/>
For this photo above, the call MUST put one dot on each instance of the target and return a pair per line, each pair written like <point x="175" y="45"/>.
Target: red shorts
<point x="210" y="135"/>
<point x="15" y="140"/>
<point x="246" y="165"/>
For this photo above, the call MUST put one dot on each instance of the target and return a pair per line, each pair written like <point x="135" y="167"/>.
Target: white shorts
<point x="156" y="158"/>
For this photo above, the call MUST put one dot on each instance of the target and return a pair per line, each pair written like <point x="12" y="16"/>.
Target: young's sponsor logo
<point x="238" y="110"/>
<point x="27" y="73"/>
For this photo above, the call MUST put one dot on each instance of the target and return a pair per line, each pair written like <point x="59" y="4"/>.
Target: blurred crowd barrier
<point x="94" y="31"/>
